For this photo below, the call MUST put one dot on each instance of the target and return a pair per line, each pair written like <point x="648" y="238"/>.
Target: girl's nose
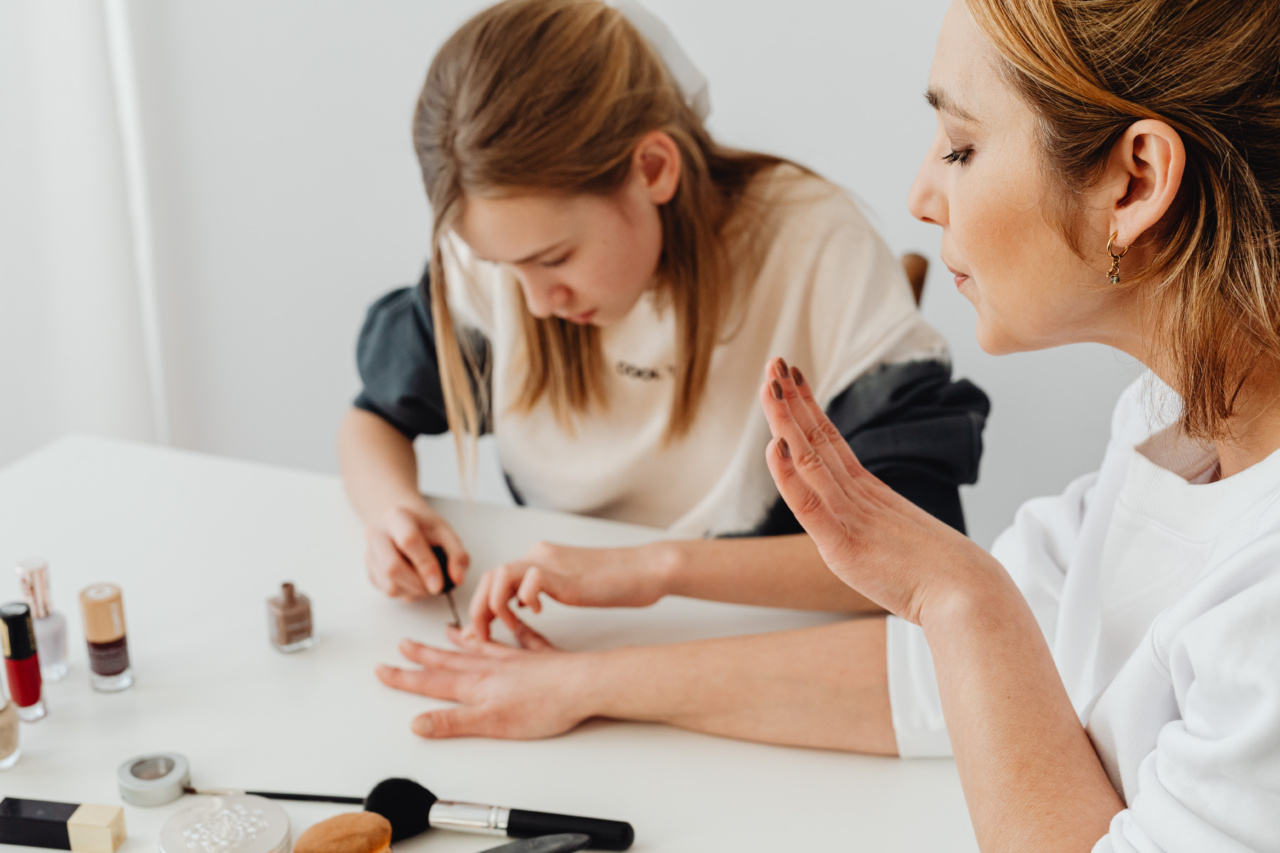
<point x="544" y="298"/>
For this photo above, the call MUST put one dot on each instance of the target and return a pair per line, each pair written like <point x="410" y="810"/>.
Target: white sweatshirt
<point x="1158" y="590"/>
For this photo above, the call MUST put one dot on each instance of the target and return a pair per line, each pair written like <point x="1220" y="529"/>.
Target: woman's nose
<point x="927" y="201"/>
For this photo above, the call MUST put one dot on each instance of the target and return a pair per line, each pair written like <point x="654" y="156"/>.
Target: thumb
<point x="460" y="721"/>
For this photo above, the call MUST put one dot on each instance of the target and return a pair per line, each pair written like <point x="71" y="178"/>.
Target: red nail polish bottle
<point x="21" y="663"/>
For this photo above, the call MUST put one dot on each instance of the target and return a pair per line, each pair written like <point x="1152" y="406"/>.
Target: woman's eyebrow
<point x="944" y="103"/>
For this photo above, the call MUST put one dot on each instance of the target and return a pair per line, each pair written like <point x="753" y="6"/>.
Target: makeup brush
<point x="274" y="795"/>
<point x="443" y="559"/>
<point x="412" y="810"/>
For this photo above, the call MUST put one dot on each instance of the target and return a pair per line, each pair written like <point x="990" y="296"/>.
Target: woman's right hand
<point x="399" y="559"/>
<point x="582" y="577"/>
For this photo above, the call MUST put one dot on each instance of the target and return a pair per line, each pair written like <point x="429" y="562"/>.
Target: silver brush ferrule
<point x="469" y="817"/>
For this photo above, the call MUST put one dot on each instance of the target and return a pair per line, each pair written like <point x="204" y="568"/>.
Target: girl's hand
<point x="874" y="540"/>
<point x="582" y="577"/>
<point x="535" y="691"/>
<point x="399" y="559"/>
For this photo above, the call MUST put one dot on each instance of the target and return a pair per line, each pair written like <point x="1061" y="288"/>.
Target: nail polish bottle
<point x="9" y="751"/>
<point x="21" y="663"/>
<point x="289" y="620"/>
<point x="50" y="625"/>
<point x="103" y="608"/>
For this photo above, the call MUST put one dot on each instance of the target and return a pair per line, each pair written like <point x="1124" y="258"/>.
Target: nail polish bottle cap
<point x="17" y="636"/>
<point x="33" y="577"/>
<point x="103" y="607"/>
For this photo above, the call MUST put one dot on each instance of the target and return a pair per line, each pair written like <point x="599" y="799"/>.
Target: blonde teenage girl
<point x="606" y="286"/>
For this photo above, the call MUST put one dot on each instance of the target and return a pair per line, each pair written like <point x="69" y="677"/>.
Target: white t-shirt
<point x="1159" y="593"/>
<point x="829" y="297"/>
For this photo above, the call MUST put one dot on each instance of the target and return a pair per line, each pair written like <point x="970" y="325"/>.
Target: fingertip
<point x="783" y="449"/>
<point x="797" y="377"/>
<point x="423" y="725"/>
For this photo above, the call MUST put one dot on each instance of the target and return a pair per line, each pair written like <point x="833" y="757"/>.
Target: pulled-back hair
<point x="1211" y="70"/>
<point x="553" y="96"/>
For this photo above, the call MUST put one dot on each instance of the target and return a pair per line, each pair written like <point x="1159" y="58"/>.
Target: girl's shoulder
<point x="800" y="202"/>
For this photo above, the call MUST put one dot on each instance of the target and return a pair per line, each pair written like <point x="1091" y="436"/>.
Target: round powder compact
<point x="237" y="824"/>
<point x="359" y="832"/>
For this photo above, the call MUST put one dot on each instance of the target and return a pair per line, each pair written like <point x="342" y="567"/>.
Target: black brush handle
<point x="308" y="798"/>
<point x="443" y="559"/>
<point x="605" y="834"/>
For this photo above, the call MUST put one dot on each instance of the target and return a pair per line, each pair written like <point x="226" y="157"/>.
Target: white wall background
<point x="286" y="197"/>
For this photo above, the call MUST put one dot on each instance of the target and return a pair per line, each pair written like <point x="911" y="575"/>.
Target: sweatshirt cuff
<point x="918" y="723"/>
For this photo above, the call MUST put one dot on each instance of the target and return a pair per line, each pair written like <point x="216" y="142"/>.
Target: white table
<point x="198" y="543"/>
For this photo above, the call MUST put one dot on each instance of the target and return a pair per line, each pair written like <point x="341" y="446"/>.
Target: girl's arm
<point x="820" y="687"/>
<point x="380" y="472"/>
<point x="774" y="571"/>
<point x="1031" y="777"/>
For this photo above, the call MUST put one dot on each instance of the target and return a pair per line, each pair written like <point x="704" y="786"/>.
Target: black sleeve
<point x="916" y="430"/>
<point x="396" y="357"/>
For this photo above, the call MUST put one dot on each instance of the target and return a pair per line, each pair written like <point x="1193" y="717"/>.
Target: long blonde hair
<point x="554" y="95"/>
<point x="1211" y="70"/>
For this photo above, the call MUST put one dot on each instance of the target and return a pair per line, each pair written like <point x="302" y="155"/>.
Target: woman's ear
<point x="1143" y="178"/>
<point x="656" y="162"/>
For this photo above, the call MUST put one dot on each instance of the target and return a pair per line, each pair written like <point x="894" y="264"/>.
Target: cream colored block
<point x="96" y="829"/>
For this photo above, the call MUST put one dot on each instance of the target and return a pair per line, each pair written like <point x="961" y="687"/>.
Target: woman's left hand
<point x="534" y="691"/>
<point x="874" y="540"/>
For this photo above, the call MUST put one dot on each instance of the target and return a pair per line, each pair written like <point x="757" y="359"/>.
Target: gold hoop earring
<point x="1114" y="275"/>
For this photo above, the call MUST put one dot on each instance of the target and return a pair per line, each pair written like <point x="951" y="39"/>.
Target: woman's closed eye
<point x="958" y="155"/>
<point x="557" y="261"/>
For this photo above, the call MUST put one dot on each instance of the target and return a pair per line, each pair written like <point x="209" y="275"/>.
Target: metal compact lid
<point x="234" y="824"/>
<point x="17" y="636"/>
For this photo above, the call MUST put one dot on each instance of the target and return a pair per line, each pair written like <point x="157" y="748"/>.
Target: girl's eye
<point x="962" y="156"/>
<point x="557" y="262"/>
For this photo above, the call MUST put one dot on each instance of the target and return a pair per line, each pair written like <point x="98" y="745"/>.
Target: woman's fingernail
<point x="797" y="377"/>
<point x="422" y="727"/>
<point x="782" y="365"/>
<point x="775" y="389"/>
<point x="784" y="449"/>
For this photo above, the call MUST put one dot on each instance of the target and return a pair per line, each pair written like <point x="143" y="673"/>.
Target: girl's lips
<point x="582" y="318"/>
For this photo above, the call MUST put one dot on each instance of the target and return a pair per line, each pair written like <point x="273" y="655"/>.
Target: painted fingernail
<point x="775" y="389"/>
<point x="782" y="365"/>
<point x="422" y="727"/>
<point x="784" y="449"/>
<point x="797" y="377"/>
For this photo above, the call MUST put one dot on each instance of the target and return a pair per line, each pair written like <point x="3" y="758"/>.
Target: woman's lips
<point x="582" y="318"/>
<point x="961" y="278"/>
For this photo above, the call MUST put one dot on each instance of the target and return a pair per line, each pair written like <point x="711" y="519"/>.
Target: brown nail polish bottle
<point x="289" y="620"/>
<point x="103" y="608"/>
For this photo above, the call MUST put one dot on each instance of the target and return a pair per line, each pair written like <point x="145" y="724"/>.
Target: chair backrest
<point x="916" y="267"/>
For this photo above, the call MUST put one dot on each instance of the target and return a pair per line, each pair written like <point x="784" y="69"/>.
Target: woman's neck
<point x="1254" y="432"/>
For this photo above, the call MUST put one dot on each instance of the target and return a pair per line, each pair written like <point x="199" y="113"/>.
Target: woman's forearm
<point x="824" y="687"/>
<point x="775" y="571"/>
<point x="1030" y="774"/>
<point x="379" y="468"/>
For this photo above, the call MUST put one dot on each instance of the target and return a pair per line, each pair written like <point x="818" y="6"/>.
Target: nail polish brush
<point x="412" y="810"/>
<point x="443" y="559"/>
